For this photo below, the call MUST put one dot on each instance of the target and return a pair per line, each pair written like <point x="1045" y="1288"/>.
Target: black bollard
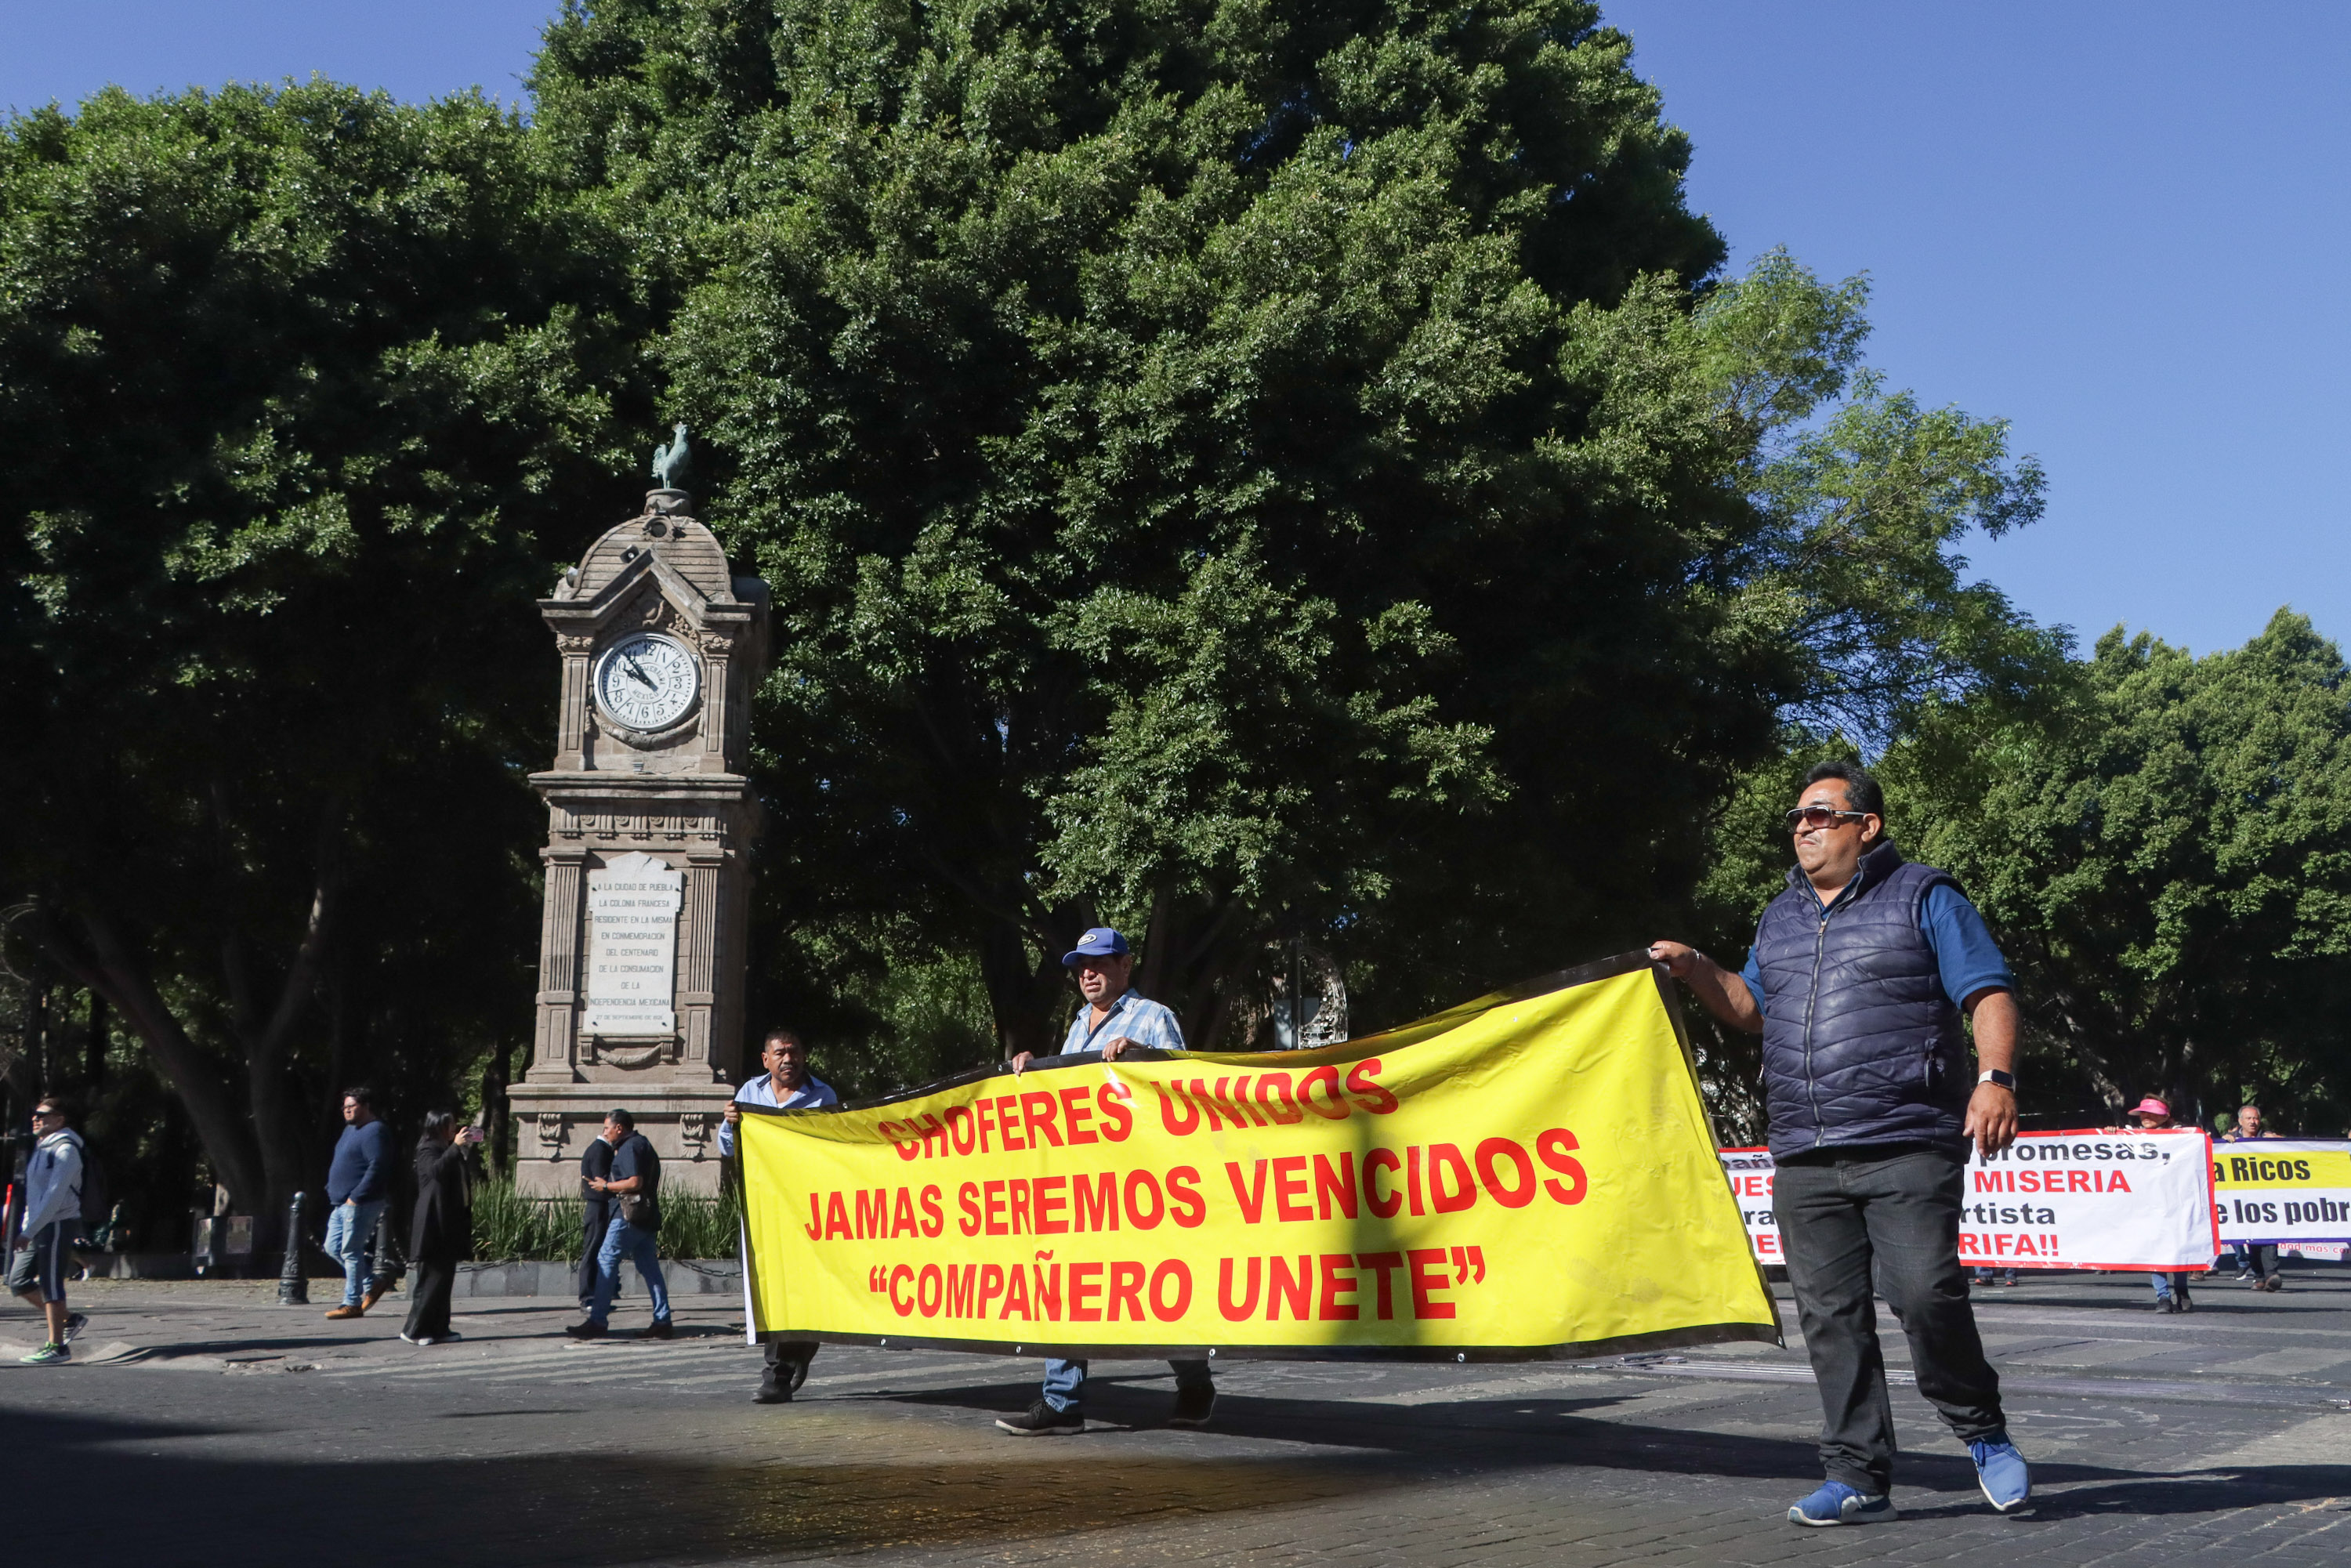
<point x="293" y="1285"/>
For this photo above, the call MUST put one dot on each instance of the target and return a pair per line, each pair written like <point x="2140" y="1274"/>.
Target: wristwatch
<point x="1994" y="1076"/>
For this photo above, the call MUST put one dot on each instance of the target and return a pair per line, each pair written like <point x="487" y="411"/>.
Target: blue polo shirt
<point x="1965" y="954"/>
<point x="1143" y="1021"/>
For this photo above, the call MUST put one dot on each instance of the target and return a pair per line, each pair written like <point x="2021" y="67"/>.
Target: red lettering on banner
<point x="836" y="1218"/>
<point x="1110" y="1101"/>
<point x="815" y="1227"/>
<point x="1135" y="1214"/>
<point x="929" y="1292"/>
<point x="1048" y="1289"/>
<point x="903" y="1306"/>
<point x="1335" y="1185"/>
<point x="934" y="1220"/>
<point x="1368" y="1095"/>
<point x="1008" y="1121"/>
<point x="1041" y="1112"/>
<point x="1019" y="1196"/>
<point x="1284" y="1288"/>
<point x="1097" y="1202"/>
<point x="1424" y="1285"/>
<point x="1332" y="1307"/>
<point x="1178" y="1273"/>
<point x="1327" y="1080"/>
<point x="962" y="1285"/>
<point x="1075" y="1115"/>
<point x="992" y="1199"/>
<point x="1287" y="1113"/>
<point x="1376" y="1160"/>
<point x="901" y="1215"/>
<point x="1515" y="1194"/>
<point x="1552" y="1148"/>
<point x="1046" y="1196"/>
<point x="991" y="1285"/>
<point x="1015" y="1293"/>
<point x="1444" y="1160"/>
<point x="1412" y="1176"/>
<point x="1290" y="1189"/>
<point x="1182" y="1127"/>
<point x="1084" y="1286"/>
<point x="1381" y="1265"/>
<point x="873" y="1214"/>
<point x="1183" y="1199"/>
<point x="1126" y="1286"/>
<point x="1236" y="1311"/>
<point x="983" y="1113"/>
<point x="1251" y="1197"/>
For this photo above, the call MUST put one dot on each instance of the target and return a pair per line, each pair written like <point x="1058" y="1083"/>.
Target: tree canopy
<point x="294" y="377"/>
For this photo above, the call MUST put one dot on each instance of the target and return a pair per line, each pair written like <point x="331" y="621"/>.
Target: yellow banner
<point x="1528" y="1174"/>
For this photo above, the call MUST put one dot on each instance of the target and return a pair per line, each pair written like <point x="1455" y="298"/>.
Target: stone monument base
<point x="554" y="1122"/>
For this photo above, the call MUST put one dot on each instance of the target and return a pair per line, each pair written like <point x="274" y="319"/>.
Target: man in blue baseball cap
<point x="1113" y="1018"/>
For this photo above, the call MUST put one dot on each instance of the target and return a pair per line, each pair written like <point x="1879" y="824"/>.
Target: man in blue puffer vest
<point x="1860" y="975"/>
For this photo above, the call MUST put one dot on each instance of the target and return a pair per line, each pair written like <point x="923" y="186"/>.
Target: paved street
<point x="205" y="1424"/>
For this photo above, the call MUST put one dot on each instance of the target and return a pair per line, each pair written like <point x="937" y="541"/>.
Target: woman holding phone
<point x="443" y="1227"/>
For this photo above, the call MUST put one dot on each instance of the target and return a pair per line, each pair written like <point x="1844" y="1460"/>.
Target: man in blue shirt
<point x="636" y="1174"/>
<point x="358" y="1184"/>
<point x="785" y="1086"/>
<point x="1113" y="1020"/>
<point x="1860" y="975"/>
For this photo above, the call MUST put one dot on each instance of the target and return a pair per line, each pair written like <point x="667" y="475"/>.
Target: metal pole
<point x="293" y="1284"/>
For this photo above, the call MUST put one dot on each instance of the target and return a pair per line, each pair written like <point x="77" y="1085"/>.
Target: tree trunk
<point x="109" y="966"/>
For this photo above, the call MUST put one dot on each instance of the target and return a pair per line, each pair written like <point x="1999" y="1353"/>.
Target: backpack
<point x="97" y="1193"/>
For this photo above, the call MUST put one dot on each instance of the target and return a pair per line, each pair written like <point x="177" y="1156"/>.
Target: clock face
<point x="647" y="681"/>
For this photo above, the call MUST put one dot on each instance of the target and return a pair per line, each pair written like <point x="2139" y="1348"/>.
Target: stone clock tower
<point x="650" y="824"/>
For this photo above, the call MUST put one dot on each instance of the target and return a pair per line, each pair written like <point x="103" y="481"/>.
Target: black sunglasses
<point x="1818" y="817"/>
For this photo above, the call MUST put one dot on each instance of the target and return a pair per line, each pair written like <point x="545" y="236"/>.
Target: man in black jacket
<point x="635" y="1188"/>
<point x="1860" y="975"/>
<point x="596" y="1213"/>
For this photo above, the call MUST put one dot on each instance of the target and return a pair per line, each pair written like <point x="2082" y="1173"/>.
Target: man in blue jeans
<point x="636" y="1172"/>
<point x="1859" y="976"/>
<point x="358" y="1184"/>
<point x="1113" y="1020"/>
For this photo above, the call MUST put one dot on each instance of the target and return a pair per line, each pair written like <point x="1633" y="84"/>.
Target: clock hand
<point x="640" y="676"/>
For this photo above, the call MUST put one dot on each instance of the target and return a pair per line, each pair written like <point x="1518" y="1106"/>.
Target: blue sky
<point x="2115" y="224"/>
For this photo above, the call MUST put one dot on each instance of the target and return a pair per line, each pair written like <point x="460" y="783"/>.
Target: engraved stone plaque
<point x="632" y="906"/>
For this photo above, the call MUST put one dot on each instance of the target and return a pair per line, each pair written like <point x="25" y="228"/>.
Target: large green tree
<point x="296" y="382"/>
<point x="1238" y="468"/>
<point x="2167" y="861"/>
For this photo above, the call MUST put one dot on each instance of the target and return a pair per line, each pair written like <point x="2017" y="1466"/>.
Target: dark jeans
<point x="1840" y="1215"/>
<point x="787" y="1365"/>
<point x="2261" y="1260"/>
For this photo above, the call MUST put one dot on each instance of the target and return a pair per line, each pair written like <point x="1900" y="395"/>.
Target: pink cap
<point x="2150" y="1106"/>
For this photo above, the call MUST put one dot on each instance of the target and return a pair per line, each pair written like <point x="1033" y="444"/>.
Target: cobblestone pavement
<point x="204" y="1423"/>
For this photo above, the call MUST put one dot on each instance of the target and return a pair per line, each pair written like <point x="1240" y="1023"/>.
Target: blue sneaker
<point x="2000" y="1471"/>
<point x="1837" y="1503"/>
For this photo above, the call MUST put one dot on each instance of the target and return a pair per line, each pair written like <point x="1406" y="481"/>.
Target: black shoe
<point x="1193" y="1407"/>
<point x="592" y="1329"/>
<point x="75" y="1323"/>
<point x="2165" y="1305"/>
<point x="660" y="1328"/>
<point x="770" y="1394"/>
<point x="1043" y="1421"/>
<point x="2184" y="1303"/>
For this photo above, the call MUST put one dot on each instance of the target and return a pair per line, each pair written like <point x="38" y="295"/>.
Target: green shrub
<point x="510" y="1227"/>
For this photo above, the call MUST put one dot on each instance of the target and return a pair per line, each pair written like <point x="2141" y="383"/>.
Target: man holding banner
<point x="1113" y="1019"/>
<point x="1860" y="974"/>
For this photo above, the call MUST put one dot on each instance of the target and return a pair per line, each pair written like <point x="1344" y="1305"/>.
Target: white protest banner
<point x="2287" y="1190"/>
<point x="2053" y="1200"/>
<point x="1749" y="1171"/>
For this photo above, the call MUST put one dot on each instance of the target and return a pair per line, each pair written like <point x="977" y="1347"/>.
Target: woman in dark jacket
<point x="443" y="1227"/>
